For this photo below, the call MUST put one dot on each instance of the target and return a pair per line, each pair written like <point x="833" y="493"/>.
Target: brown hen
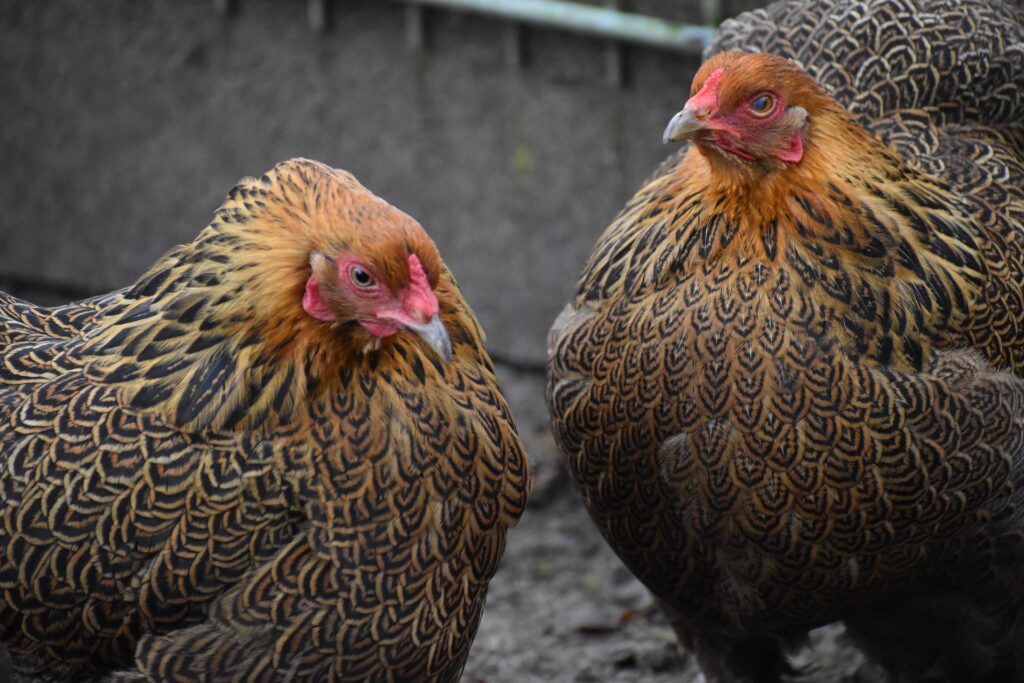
<point x="282" y="454"/>
<point x="777" y="387"/>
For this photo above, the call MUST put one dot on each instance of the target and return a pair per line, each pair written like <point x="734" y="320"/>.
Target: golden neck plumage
<point x="881" y="247"/>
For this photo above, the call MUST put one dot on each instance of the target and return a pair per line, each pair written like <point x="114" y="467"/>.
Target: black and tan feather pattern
<point x="941" y="81"/>
<point x="779" y="388"/>
<point x="200" y="482"/>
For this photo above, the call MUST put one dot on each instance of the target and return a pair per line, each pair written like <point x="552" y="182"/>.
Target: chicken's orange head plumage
<point x="349" y="267"/>
<point x="377" y="294"/>
<point x="750" y="109"/>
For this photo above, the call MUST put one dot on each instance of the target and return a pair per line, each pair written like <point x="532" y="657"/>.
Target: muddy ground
<point x="563" y="608"/>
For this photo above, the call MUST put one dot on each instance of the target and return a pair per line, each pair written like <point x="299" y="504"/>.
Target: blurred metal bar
<point x="614" y="64"/>
<point x="319" y="13"/>
<point x="514" y="57"/>
<point x="224" y="7"/>
<point x="415" y="28"/>
<point x="711" y="11"/>
<point x="600" y="22"/>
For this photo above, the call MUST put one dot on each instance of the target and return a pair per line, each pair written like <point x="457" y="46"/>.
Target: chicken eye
<point x="360" y="277"/>
<point x="762" y="105"/>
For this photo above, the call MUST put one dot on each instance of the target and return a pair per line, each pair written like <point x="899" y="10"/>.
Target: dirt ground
<point x="563" y="608"/>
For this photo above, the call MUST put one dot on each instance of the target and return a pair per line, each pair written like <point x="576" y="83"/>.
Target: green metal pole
<point x="602" y="22"/>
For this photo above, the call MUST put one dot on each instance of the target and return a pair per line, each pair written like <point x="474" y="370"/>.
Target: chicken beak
<point x="434" y="333"/>
<point x="683" y="126"/>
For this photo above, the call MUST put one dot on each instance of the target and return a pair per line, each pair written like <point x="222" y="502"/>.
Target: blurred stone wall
<point x="123" y="123"/>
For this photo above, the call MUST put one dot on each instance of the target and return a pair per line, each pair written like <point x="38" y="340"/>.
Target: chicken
<point x="788" y="384"/>
<point x="282" y="454"/>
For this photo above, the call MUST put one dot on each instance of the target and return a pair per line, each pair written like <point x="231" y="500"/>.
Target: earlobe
<point x="795" y="152"/>
<point x="796" y="117"/>
<point x="313" y="301"/>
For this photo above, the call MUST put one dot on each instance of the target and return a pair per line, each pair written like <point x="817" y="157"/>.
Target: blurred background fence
<point x="123" y="123"/>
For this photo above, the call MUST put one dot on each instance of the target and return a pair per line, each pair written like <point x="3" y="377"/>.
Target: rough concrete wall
<point x="124" y="123"/>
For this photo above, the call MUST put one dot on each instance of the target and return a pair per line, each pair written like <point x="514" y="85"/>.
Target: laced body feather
<point x="201" y="482"/>
<point x="792" y="401"/>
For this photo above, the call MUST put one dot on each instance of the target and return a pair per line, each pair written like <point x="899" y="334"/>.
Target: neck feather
<point x="874" y="242"/>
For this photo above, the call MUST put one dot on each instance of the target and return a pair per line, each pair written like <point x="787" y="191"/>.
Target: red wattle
<point x="724" y="140"/>
<point x="379" y="328"/>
